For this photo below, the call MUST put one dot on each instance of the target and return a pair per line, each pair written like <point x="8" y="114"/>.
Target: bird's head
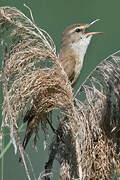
<point x="77" y="35"/>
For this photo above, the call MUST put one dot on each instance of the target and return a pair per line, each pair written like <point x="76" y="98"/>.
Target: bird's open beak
<point x="92" y="33"/>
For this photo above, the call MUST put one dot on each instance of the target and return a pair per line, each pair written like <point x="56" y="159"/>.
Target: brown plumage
<point x="75" y="41"/>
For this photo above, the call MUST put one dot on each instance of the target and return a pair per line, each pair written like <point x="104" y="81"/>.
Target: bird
<point x="74" y="44"/>
<point x="75" y="41"/>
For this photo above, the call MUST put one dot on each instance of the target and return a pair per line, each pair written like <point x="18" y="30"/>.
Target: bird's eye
<point x="78" y="30"/>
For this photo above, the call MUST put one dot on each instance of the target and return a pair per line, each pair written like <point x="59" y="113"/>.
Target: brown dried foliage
<point x="27" y="81"/>
<point x="98" y="120"/>
<point x="87" y="140"/>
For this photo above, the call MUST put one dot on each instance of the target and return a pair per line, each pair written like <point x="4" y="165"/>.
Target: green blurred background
<point x="54" y="16"/>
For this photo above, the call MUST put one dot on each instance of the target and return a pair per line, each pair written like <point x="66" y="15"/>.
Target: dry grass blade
<point x="32" y="77"/>
<point x="1" y="139"/>
<point x="99" y="124"/>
